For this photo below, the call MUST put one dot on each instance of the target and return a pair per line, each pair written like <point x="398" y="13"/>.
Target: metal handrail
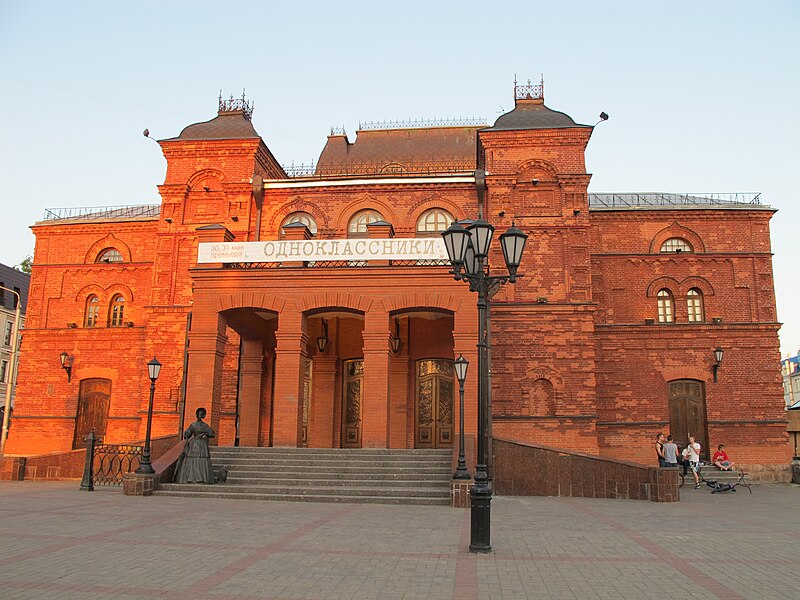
<point x="88" y="213"/>
<point x="623" y="200"/>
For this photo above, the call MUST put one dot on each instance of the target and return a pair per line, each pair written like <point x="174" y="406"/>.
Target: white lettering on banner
<point x="322" y="250"/>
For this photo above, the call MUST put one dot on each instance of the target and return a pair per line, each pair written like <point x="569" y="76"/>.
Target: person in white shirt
<point x="694" y="459"/>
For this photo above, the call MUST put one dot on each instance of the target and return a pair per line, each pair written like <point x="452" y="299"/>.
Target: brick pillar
<point x="465" y="340"/>
<point x="265" y="436"/>
<point x="321" y="427"/>
<point x="206" y="352"/>
<point x="399" y="401"/>
<point x="251" y="362"/>
<point x="291" y="340"/>
<point x="374" y="412"/>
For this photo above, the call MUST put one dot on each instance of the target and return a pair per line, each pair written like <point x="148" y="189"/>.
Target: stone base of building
<point x="12" y="468"/>
<point x="768" y="473"/>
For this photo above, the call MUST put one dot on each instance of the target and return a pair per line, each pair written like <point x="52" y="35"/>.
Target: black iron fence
<point x="106" y="464"/>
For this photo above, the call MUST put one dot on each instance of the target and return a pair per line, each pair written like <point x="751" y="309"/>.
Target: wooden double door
<point x="433" y="406"/>
<point x="687" y="413"/>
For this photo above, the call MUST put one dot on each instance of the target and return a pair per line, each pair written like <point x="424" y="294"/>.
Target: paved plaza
<point x="58" y="542"/>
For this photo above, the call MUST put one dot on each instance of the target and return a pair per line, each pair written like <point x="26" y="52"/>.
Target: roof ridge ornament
<point x="234" y="105"/>
<point x="529" y="91"/>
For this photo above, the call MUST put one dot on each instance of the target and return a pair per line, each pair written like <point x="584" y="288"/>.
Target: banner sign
<point x="321" y="250"/>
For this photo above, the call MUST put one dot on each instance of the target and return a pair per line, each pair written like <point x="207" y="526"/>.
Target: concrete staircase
<point x="376" y="476"/>
<point x="712" y="473"/>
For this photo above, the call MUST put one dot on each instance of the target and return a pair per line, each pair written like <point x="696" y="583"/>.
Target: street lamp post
<point x="11" y="371"/>
<point x="461" y="364"/>
<point x="153" y="369"/>
<point x="468" y="250"/>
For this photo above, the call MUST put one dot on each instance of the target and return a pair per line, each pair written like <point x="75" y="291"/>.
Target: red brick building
<point x="335" y="328"/>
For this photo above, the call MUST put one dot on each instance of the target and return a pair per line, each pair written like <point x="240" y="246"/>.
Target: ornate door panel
<point x="433" y="427"/>
<point x="687" y="412"/>
<point x="307" y="373"/>
<point x="93" y="401"/>
<point x="352" y="400"/>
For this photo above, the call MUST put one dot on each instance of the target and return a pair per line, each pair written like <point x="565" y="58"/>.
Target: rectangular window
<point x="3" y="371"/>
<point x="2" y="294"/>
<point x="7" y="334"/>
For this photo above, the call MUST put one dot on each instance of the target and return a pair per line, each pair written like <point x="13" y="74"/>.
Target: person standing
<point x="694" y="459"/>
<point x="670" y="453"/>
<point x="660" y="449"/>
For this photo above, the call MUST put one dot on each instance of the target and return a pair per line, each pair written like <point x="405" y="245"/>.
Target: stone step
<point x="418" y="492"/>
<point x="307" y="498"/>
<point x="323" y="481"/>
<point x="324" y="464"/>
<point x="330" y="451"/>
<point x="333" y="468"/>
<point x="327" y="475"/>
<point x="343" y="476"/>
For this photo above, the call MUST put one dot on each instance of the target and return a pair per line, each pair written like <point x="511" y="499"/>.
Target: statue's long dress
<point x="195" y="465"/>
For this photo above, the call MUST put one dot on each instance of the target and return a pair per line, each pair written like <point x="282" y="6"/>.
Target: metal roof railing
<point x="92" y="213"/>
<point x="634" y="200"/>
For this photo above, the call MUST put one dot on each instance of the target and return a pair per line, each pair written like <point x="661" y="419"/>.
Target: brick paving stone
<point x="62" y="543"/>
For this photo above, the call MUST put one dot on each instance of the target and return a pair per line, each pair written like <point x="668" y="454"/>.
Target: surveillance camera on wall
<point x="535" y="181"/>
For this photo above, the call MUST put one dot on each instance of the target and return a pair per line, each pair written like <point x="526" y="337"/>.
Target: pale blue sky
<point x="703" y="96"/>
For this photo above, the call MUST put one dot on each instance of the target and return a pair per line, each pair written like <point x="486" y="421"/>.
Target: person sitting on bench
<point x="721" y="460"/>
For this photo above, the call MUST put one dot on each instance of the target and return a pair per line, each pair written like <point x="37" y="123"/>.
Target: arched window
<point x="358" y="224"/>
<point x="694" y="305"/>
<point x="301" y="217"/>
<point x="666" y="313"/>
<point x="117" y="312"/>
<point x="109" y="255"/>
<point x="676" y="245"/>
<point x="92" y="310"/>
<point x="433" y="222"/>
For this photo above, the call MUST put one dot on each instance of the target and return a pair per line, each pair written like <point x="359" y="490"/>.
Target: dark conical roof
<point x="231" y="123"/>
<point x="533" y="114"/>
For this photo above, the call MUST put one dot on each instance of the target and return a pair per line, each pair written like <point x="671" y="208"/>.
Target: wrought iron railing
<point x="107" y="464"/>
<point x="112" y="461"/>
<point x="392" y="169"/>
<point x="336" y="130"/>
<point x="610" y="200"/>
<point x="236" y="104"/>
<point x="420" y="123"/>
<point x="92" y="213"/>
<point x="337" y="264"/>
<point x="528" y="91"/>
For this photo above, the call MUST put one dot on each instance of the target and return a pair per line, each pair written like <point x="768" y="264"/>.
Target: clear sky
<point x="703" y="96"/>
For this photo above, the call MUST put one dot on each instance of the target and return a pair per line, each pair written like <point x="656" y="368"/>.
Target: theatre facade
<point x="315" y="307"/>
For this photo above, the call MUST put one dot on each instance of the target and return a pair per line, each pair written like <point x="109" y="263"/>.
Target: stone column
<point x="291" y="340"/>
<point x="375" y="399"/>
<point x="251" y="362"/>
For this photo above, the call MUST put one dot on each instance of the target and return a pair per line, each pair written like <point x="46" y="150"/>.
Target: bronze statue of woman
<point x="195" y="463"/>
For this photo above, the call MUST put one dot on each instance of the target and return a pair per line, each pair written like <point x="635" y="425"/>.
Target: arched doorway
<point x="433" y="418"/>
<point x="94" y="398"/>
<point x="687" y="412"/>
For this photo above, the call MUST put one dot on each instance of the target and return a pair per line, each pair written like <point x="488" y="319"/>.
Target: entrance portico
<point x="255" y="336"/>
